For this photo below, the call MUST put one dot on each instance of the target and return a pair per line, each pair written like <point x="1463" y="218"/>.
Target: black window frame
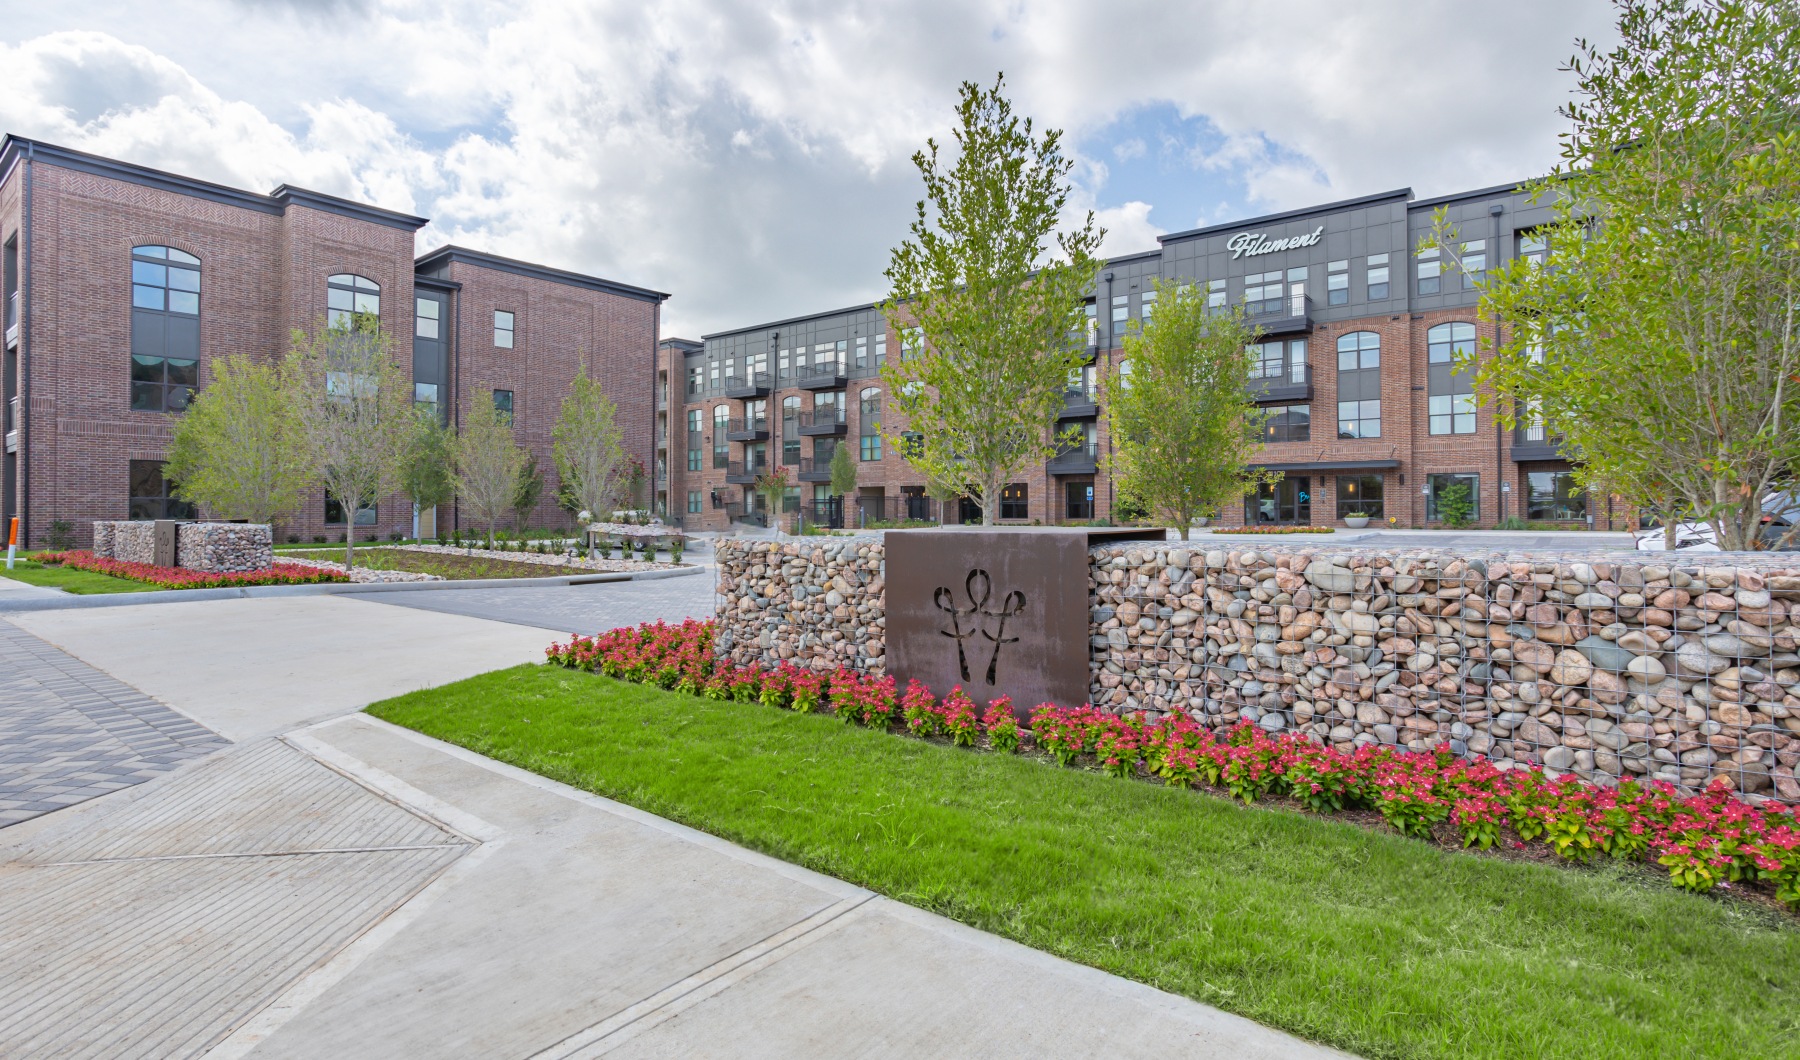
<point x="1280" y="425"/>
<point x="1438" y="479"/>
<point x="1362" y="493"/>
<point x="508" y="330"/>
<point x="505" y="405"/>
<point x="1533" y="504"/>
<point x="369" y="516"/>
<point x="160" y="503"/>
<point x="348" y="294"/>
<point x="159" y="378"/>
<point x="1015" y="501"/>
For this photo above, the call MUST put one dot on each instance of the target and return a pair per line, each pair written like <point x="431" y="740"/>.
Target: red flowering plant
<point x="918" y="708"/>
<point x="959" y="720"/>
<point x="277" y="573"/>
<point x="1002" y="725"/>
<point x="1704" y="840"/>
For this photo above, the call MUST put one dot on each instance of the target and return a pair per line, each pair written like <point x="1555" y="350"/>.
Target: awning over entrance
<point x="1333" y="465"/>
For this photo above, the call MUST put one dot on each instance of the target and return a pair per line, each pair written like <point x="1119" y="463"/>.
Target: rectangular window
<point x="1452" y="413"/>
<point x="1091" y="316"/>
<point x="425" y="318"/>
<point x="1013" y="502"/>
<point x="1215" y="294"/>
<point x="1378" y="277"/>
<point x="695" y="380"/>
<point x="870" y="446"/>
<point x="1429" y="267"/>
<point x="1121" y="313"/>
<point x="1359" y="419"/>
<point x="1264" y="293"/>
<point x="163" y="384"/>
<point x="503" y="329"/>
<point x="1533" y="247"/>
<point x="334" y="512"/>
<point x="503" y="401"/>
<point x="695" y="430"/>
<point x="1474" y="263"/>
<point x="862" y="353"/>
<point x="1278" y="359"/>
<point x="693" y="502"/>
<point x="1360" y="494"/>
<point x="912" y="443"/>
<point x="148" y="494"/>
<point x="1337" y="282"/>
<point x="1554" y="495"/>
<point x="1435" y="485"/>
<point x="880" y="350"/>
<point x="425" y="394"/>
<point x="721" y="447"/>
<point x="1146" y="307"/>
<point x="1289" y="423"/>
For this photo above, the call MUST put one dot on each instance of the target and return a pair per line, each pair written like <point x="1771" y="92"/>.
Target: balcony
<point x="740" y="513"/>
<point x="753" y="385"/>
<point x="745" y="472"/>
<point x="824" y="377"/>
<point x="1294" y="383"/>
<point x="1084" y="459"/>
<point x="1531" y="444"/>
<point x="1079" y="403"/>
<point x="12" y="425"/>
<point x="822" y="421"/>
<point x="1282" y="317"/>
<point x="749" y="429"/>
<point x="815" y="470"/>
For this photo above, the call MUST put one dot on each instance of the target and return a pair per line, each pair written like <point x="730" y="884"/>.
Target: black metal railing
<point x="748" y="429"/>
<point x="815" y="470"/>
<point x="1080" y="459"/>
<point x="829" y="376"/>
<point x="1080" y="401"/>
<point x="1288" y="381"/>
<point x="822" y="419"/>
<point x="745" y="472"/>
<point x="753" y="384"/>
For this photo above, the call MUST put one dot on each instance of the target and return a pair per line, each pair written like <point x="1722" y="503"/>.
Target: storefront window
<point x="1554" y="495"/>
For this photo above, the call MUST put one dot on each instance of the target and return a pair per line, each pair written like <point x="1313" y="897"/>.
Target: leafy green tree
<point x="238" y="451"/>
<point x="353" y="402"/>
<point x="1185" y="427"/>
<point x="773" y="485"/>
<point x="526" y="491"/>
<point x="591" y="463"/>
<point x="488" y="462"/>
<point x="991" y="297"/>
<point x="843" y="472"/>
<point x="1455" y="504"/>
<point x="1659" y="338"/>
<point x="429" y="476"/>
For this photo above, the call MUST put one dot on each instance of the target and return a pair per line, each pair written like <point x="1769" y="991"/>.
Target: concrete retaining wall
<point x="1602" y="664"/>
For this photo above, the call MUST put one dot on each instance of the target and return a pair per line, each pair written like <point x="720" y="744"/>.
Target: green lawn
<point x="1377" y="944"/>
<point x="75" y="581"/>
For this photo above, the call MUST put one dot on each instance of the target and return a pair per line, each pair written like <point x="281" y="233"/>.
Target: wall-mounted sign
<point x="1250" y="244"/>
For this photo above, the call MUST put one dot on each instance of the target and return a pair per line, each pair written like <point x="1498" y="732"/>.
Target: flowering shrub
<point x="1705" y="840"/>
<point x="183" y="578"/>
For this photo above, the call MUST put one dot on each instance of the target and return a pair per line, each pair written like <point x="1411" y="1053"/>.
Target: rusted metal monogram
<point x="979" y="587"/>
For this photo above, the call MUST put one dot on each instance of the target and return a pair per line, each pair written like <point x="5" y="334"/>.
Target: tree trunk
<point x="349" y="543"/>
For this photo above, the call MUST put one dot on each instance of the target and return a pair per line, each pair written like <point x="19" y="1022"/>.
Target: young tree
<point x="773" y="485"/>
<point x="992" y="297"/>
<point x="429" y="474"/>
<point x="589" y="449"/>
<point x="526" y="491"/>
<point x="238" y="451"/>
<point x="1660" y="338"/>
<point x="1185" y="427"/>
<point x="353" y="403"/>
<point x="843" y="473"/>
<point x="488" y="462"/>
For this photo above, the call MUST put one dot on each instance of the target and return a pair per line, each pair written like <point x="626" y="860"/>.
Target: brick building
<point x="122" y="284"/>
<point x="1354" y="367"/>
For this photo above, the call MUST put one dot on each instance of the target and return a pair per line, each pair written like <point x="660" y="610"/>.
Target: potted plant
<point x="1356" y="520"/>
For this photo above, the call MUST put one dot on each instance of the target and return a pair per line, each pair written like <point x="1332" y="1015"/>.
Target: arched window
<point x="347" y="294"/>
<point x="1359" y="385"/>
<point x="869" y="420"/>
<point x="790" y="430"/>
<point x="721" y="446"/>
<point x="165" y="328"/>
<point x="1450" y="392"/>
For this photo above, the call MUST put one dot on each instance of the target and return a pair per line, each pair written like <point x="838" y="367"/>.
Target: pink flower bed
<point x="1710" y="840"/>
<point x="183" y="578"/>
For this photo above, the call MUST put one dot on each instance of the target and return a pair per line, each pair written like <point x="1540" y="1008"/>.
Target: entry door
<point x="1287" y="501"/>
<point x="1079" y="500"/>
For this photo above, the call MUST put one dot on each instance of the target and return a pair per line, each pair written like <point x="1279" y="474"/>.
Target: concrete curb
<point x="72" y="601"/>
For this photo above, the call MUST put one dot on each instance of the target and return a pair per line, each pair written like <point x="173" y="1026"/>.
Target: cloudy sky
<point x="754" y="158"/>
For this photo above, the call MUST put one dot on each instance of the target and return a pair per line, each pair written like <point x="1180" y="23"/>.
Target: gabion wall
<point x="1606" y="665"/>
<point x="218" y="547"/>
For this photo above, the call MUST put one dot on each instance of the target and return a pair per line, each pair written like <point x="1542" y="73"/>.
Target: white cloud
<point x="754" y="160"/>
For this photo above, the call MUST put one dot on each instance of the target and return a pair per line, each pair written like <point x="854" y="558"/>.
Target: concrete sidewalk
<point x="345" y="888"/>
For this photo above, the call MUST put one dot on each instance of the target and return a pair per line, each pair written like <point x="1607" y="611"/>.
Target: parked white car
<point x="1781" y="511"/>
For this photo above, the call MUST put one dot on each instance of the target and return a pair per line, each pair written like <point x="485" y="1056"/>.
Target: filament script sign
<point x="1251" y="244"/>
<point x="999" y="612"/>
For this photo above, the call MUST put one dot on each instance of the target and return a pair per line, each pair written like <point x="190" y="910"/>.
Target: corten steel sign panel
<point x="997" y="612"/>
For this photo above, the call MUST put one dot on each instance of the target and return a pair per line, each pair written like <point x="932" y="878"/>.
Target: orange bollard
<point x="12" y="542"/>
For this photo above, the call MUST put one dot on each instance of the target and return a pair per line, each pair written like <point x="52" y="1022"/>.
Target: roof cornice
<point x="480" y="259"/>
<point x="1288" y="215"/>
<point x="13" y="147"/>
